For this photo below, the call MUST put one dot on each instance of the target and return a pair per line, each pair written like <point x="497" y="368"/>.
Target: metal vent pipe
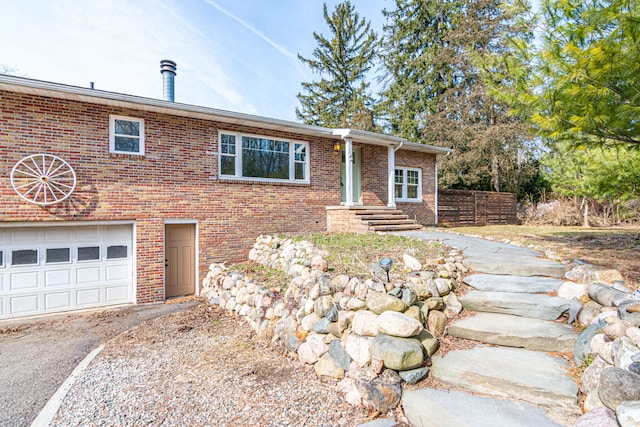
<point x="168" y="70"/>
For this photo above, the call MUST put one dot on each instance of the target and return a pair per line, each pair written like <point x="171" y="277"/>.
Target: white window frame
<point x="238" y="159"/>
<point x="404" y="197"/>
<point x="112" y="135"/>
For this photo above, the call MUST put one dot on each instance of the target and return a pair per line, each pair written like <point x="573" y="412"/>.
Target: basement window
<point x="259" y="158"/>
<point x="126" y="135"/>
<point x="408" y="184"/>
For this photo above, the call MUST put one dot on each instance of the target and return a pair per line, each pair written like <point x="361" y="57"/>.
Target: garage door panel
<point x="52" y="268"/>
<point x="27" y="304"/>
<point x="117" y="272"/>
<point x="117" y="293"/>
<point x="58" y="300"/>
<point x="57" y="278"/>
<point x="24" y="280"/>
<point x="86" y="297"/>
<point x="87" y="275"/>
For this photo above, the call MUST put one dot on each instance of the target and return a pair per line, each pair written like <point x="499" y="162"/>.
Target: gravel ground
<point x="38" y="354"/>
<point x="196" y="367"/>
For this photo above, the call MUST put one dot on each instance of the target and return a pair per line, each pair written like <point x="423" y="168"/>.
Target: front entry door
<point x="180" y="259"/>
<point x="357" y="187"/>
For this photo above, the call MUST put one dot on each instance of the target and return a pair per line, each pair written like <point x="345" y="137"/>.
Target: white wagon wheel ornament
<point x="43" y="179"/>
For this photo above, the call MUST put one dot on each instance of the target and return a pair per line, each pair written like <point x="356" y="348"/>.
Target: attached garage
<point x="46" y="269"/>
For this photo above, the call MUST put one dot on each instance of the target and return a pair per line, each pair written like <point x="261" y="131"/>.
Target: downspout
<point x="399" y="145"/>
<point x="436" y="184"/>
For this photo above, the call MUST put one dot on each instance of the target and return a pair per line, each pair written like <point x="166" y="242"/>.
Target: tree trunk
<point x="495" y="173"/>
<point x="585" y="214"/>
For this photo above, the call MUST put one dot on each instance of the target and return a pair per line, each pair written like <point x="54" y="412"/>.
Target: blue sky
<point x="238" y="55"/>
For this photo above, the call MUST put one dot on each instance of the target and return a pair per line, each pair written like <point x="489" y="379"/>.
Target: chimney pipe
<point x="168" y="71"/>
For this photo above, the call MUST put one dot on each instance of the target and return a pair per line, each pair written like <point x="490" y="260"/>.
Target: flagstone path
<point x="515" y="375"/>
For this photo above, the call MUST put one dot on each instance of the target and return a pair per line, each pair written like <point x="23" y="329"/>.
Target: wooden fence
<point x="458" y="208"/>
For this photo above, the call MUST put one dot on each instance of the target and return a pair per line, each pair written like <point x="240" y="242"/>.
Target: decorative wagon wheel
<point x="43" y="179"/>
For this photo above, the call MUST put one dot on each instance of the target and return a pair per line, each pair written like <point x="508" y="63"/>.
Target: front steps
<point x="364" y="219"/>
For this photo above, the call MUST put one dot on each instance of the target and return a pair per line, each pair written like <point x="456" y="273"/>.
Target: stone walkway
<point x="519" y="379"/>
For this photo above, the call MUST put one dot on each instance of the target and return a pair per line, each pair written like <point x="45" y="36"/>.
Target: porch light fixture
<point x="385" y="264"/>
<point x="336" y="146"/>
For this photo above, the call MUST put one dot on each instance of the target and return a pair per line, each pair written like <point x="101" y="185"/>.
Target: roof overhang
<point x="114" y="99"/>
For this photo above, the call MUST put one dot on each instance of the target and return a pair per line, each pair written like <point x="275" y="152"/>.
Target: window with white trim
<point x="408" y="184"/>
<point x="260" y="158"/>
<point x="126" y="135"/>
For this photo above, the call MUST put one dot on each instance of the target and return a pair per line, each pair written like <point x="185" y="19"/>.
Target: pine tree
<point x="444" y="59"/>
<point x="341" y="98"/>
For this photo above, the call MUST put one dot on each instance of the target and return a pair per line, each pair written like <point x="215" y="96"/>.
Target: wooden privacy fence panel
<point x="467" y="207"/>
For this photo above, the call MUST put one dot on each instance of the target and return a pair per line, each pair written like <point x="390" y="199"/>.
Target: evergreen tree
<point x="341" y="97"/>
<point x="586" y="89"/>
<point x="446" y="57"/>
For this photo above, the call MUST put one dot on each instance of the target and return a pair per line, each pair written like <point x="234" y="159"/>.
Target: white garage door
<point x="50" y="269"/>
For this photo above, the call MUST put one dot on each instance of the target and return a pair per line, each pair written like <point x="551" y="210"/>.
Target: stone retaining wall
<point x="369" y="334"/>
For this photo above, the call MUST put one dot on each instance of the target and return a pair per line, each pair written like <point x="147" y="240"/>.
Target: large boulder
<point x="618" y="385"/>
<point x="587" y="274"/>
<point x="379" y="302"/>
<point x="401" y="354"/>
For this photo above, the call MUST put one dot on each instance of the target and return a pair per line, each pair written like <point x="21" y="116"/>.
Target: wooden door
<point x="180" y="259"/>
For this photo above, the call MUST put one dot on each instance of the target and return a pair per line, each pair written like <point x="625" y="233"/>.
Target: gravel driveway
<point x="195" y="368"/>
<point x="37" y="355"/>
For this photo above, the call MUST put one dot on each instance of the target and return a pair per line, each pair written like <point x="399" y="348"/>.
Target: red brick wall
<point x="175" y="179"/>
<point x="424" y="212"/>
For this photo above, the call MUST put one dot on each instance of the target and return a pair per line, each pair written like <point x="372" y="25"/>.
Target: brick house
<point x="112" y="199"/>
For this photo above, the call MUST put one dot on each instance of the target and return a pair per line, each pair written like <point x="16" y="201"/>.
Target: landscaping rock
<point x="332" y="313"/>
<point x="379" y="302"/>
<point x="415" y="313"/>
<point x="398" y="325"/>
<point x="409" y="297"/>
<point x="411" y="263"/>
<point x="436" y="323"/>
<point x="592" y="401"/>
<point x="617" y="330"/>
<point x="339" y="355"/>
<point x="570" y="290"/>
<point x="434" y="303"/>
<point x="590" y="311"/>
<point x="327" y="366"/>
<point x="599" y="417"/>
<point x="401" y="354"/>
<point x="429" y="343"/>
<point x="591" y="375"/>
<point x="414" y="375"/>
<point x="630" y="311"/>
<point x="634" y="335"/>
<point x="624" y="352"/>
<point x="358" y="347"/>
<point x="588" y="274"/>
<point x="322" y="326"/>
<point x="381" y="393"/>
<point x="365" y="323"/>
<point x="618" y="385"/>
<point x="628" y="414"/>
<point x="309" y="321"/>
<point x="582" y="345"/>
<point x="606" y="295"/>
<point x="452" y="307"/>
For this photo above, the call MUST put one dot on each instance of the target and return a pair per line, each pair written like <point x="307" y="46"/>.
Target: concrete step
<point x="438" y="408"/>
<point x="382" y="217"/>
<point x="515" y="331"/>
<point x="390" y="222"/>
<point x="500" y="283"/>
<point x="376" y="212"/>
<point x="538" y="306"/>
<point x="514" y="373"/>
<point x="395" y="227"/>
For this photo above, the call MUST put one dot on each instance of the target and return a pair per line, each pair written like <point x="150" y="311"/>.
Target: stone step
<point x="500" y="283"/>
<point x="538" y="306"/>
<point x="438" y="408"/>
<point x="395" y="227"/>
<point x="515" y="265"/>
<point x="514" y="373"/>
<point x="515" y="331"/>
<point x="381" y="217"/>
